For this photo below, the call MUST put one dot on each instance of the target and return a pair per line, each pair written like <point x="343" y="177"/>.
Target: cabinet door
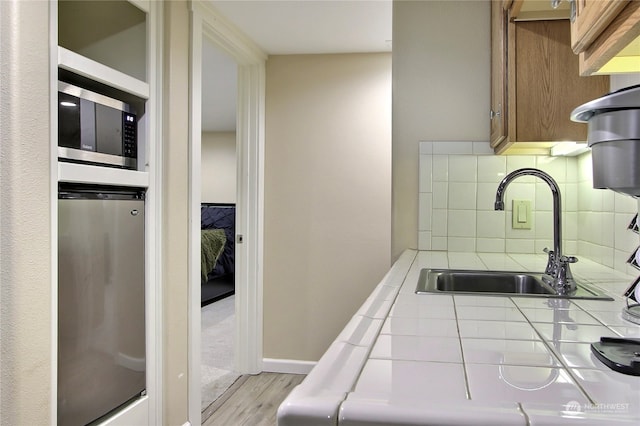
<point x="618" y="42"/>
<point x="498" y="74"/>
<point x="548" y="84"/>
<point x="592" y="17"/>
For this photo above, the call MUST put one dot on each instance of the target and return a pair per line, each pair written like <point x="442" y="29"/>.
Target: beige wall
<point x="175" y="213"/>
<point x="218" y="168"/>
<point x="327" y="195"/>
<point x="25" y="220"/>
<point x="441" y="75"/>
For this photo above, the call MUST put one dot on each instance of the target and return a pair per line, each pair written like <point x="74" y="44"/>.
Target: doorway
<point x="217" y="221"/>
<point x="207" y="24"/>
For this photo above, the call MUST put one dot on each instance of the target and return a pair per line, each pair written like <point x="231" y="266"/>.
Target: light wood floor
<point x="252" y="400"/>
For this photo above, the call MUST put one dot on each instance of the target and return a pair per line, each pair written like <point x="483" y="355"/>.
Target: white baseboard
<point x="290" y="366"/>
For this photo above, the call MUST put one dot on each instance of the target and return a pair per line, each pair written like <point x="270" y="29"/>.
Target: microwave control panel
<point x="129" y="140"/>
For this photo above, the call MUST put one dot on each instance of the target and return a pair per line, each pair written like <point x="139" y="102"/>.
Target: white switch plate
<point x="521" y="214"/>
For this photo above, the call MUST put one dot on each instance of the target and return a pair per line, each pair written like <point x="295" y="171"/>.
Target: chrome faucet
<point x="557" y="272"/>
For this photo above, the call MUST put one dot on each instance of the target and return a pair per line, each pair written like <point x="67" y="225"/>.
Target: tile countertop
<point x="432" y="359"/>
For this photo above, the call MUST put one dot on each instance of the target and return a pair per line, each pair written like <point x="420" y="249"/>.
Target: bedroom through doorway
<point x="217" y="219"/>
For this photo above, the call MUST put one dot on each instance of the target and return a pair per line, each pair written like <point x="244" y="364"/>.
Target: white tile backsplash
<point x="491" y="168"/>
<point x="425" y="184"/>
<point x="440" y="195"/>
<point x="424" y="240"/>
<point x="439" y="243"/>
<point x="439" y="222"/>
<point x="440" y="168"/>
<point x="570" y="246"/>
<point x="520" y="246"/>
<point x="625" y="239"/>
<point x="463" y="168"/>
<point x="570" y="225"/>
<point x="461" y="223"/>
<point x="519" y="234"/>
<point x="515" y="162"/>
<point x="607" y="224"/>
<point x="462" y="195"/>
<point x="625" y="204"/>
<point x="620" y="262"/>
<point x="555" y="166"/>
<point x="572" y="171"/>
<point x="458" y="181"/>
<point x="461" y="244"/>
<point x="570" y="197"/>
<point x="490" y="245"/>
<point x="544" y="199"/>
<point x="486" y="196"/>
<point x="491" y="224"/>
<point x="518" y="190"/>
<point x="543" y="225"/>
<point x="608" y="199"/>
<point x="424" y="220"/>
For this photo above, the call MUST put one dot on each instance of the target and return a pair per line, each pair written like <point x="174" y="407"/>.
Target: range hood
<point x="614" y="138"/>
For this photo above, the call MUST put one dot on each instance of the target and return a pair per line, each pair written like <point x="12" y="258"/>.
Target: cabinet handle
<point x="493" y="114"/>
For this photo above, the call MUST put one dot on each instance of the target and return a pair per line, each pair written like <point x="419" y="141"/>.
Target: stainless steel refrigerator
<point x="101" y="301"/>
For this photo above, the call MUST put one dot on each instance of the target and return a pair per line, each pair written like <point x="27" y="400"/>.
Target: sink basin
<point x="492" y="283"/>
<point x="488" y="281"/>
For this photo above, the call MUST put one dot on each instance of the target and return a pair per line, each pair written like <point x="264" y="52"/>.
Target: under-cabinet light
<point x="626" y="61"/>
<point x="568" y="149"/>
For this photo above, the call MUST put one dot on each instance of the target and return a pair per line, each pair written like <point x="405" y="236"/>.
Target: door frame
<point x="207" y="22"/>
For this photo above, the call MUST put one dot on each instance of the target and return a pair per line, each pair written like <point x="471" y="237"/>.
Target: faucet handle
<point x="551" y="253"/>
<point x="551" y="262"/>
<point x="568" y="259"/>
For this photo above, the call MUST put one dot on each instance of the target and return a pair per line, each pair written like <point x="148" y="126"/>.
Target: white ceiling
<point x="286" y="28"/>
<point x="312" y="26"/>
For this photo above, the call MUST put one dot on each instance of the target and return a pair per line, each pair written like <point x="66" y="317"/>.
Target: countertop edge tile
<point x="333" y="382"/>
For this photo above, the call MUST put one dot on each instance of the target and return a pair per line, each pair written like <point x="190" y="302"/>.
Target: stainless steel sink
<point x="492" y="283"/>
<point x="488" y="281"/>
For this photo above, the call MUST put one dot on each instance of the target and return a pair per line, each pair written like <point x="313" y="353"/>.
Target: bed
<point x="217" y="223"/>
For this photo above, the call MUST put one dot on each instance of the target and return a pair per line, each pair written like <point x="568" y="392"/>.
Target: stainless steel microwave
<point x="96" y="129"/>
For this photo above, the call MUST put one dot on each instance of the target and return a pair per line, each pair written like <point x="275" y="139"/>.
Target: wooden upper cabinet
<point x="498" y="74"/>
<point x="614" y="47"/>
<point x="535" y="10"/>
<point x="547" y="83"/>
<point x="535" y="84"/>
<point x="591" y="19"/>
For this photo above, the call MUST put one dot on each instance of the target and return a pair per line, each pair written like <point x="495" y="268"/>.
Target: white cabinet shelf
<point x="83" y="173"/>
<point x="96" y="71"/>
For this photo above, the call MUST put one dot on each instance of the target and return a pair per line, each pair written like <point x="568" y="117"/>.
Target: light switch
<point x="521" y="212"/>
